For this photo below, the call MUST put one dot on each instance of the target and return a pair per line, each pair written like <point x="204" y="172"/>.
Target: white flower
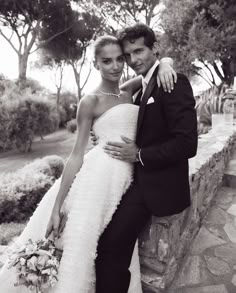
<point x="33" y="279"/>
<point x="30" y="248"/>
<point x="46" y="272"/>
<point x="42" y="260"/>
<point x="53" y="281"/>
<point x="31" y="263"/>
<point x="22" y="261"/>
<point x="36" y="264"/>
<point x="53" y="272"/>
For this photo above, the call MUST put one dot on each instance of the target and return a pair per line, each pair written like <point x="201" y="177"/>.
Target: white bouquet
<point x="36" y="264"/>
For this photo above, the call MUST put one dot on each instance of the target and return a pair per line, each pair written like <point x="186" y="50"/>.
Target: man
<point x="166" y="138"/>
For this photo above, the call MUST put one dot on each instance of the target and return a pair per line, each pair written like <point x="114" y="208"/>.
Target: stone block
<point x="230" y="230"/>
<point x="232" y="210"/>
<point x="208" y="289"/>
<point x="205" y="240"/>
<point x="227" y="253"/>
<point x="217" y="266"/>
<point x="192" y="273"/>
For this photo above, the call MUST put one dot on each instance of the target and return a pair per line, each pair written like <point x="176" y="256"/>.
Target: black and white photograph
<point x="117" y="146"/>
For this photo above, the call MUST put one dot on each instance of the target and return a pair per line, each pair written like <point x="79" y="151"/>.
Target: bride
<point x="92" y="185"/>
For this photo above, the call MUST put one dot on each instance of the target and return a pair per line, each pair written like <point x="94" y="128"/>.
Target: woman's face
<point x="110" y="62"/>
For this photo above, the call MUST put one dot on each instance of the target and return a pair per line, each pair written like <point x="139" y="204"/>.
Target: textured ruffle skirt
<point x="92" y="200"/>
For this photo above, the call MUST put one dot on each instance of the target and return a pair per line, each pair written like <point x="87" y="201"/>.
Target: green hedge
<point x="9" y="231"/>
<point x="24" y="113"/>
<point x="20" y="192"/>
<point x="71" y="125"/>
<point x="21" y="120"/>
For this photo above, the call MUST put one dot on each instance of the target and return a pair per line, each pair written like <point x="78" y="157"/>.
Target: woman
<point x="92" y="185"/>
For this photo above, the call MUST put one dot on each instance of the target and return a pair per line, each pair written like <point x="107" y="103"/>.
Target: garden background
<point x="46" y="67"/>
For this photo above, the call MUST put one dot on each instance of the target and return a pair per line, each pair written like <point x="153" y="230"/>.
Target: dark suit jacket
<point x="167" y="136"/>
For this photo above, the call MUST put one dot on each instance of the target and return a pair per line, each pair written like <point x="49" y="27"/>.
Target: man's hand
<point x="166" y="75"/>
<point x="122" y="151"/>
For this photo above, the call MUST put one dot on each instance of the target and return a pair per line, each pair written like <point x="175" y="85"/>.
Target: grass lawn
<point x="59" y="143"/>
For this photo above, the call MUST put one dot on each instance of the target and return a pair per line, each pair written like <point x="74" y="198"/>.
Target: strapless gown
<point x="91" y="201"/>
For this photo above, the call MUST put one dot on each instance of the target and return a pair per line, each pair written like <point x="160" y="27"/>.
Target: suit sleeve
<point x="181" y="142"/>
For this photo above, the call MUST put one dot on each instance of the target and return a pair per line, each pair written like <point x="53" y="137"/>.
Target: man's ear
<point x="155" y="48"/>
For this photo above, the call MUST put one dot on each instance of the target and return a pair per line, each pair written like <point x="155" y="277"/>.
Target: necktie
<point x="138" y="98"/>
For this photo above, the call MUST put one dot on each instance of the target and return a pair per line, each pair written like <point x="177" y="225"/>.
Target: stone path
<point x="210" y="264"/>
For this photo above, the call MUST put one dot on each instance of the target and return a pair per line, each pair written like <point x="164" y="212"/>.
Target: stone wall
<point x="165" y="241"/>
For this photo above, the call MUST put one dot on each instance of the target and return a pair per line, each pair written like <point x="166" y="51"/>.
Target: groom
<point x="166" y="138"/>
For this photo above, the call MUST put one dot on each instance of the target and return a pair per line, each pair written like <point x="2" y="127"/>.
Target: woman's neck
<point x="108" y="86"/>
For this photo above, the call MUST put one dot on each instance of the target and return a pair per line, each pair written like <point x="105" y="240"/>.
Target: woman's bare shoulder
<point x="87" y="105"/>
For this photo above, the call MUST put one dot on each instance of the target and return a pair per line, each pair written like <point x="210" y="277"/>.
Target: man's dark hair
<point x="135" y="32"/>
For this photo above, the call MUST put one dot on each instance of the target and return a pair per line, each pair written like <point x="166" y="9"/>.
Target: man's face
<point x="138" y="56"/>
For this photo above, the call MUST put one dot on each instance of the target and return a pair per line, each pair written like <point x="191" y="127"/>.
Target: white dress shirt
<point x="145" y="81"/>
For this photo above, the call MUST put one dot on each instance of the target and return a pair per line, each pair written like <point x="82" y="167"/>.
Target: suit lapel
<point x="152" y="83"/>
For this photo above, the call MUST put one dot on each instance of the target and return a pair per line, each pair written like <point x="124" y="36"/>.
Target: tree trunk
<point x="22" y="67"/>
<point x="77" y="80"/>
<point x="58" y="98"/>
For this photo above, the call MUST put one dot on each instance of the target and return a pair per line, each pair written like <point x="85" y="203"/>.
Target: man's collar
<point x="146" y="79"/>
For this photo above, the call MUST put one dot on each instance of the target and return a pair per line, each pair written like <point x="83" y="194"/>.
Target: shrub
<point x="68" y="102"/>
<point x="46" y="119"/>
<point x="22" y="119"/>
<point x="56" y="164"/>
<point x="71" y="126"/>
<point x="24" y="113"/>
<point x="8" y="231"/>
<point x="20" y="192"/>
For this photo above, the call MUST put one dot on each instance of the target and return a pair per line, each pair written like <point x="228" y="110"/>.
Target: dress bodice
<point x="116" y="121"/>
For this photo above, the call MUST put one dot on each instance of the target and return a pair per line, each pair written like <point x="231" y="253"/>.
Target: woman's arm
<point x="75" y="160"/>
<point x="166" y="77"/>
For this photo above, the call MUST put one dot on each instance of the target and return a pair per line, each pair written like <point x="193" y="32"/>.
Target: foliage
<point x="71" y="126"/>
<point x="213" y="101"/>
<point x="125" y="13"/>
<point x="24" y="113"/>
<point x="56" y="165"/>
<point x="71" y="46"/>
<point x="68" y="107"/>
<point x="36" y="264"/>
<point x="20" y="192"/>
<point x="203" y="30"/>
<point x="22" y="22"/>
<point x="8" y="231"/>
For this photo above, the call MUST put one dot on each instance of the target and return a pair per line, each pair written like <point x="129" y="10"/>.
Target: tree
<point x="22" y="21"/>
<point x="57" y="67"/>
<point x="120" y="13"/>
<point x="72" y="45"/>
<point x="204" y="30"/>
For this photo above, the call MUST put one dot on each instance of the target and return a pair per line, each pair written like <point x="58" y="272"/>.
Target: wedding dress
<point x="91" y="201"/>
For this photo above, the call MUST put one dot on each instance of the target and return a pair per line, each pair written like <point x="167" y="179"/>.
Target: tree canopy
<point x="203" y="30"/>
<point x="22" y="21"/>
<point x="71" y="45"/>
<point x="120" y="13"/>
